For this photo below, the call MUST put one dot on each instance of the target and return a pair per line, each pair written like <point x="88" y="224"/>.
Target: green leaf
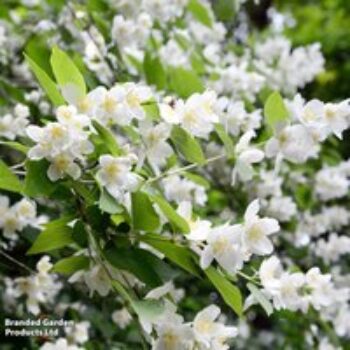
<point x="38" y="50"/>
<point x="68" y="266"/>
<point x="179" y="255"/>
<point x="46" y="83"/>
<point x="36" y="182"/>
<point x="226" y="139"/>
<point x="198" y="179"/>
<point x="68" y="76"/>
<point x="174" y="218"/>
<point x="16" y="146"/>
<point x="108" y="204"/>
<point x="8" y="180"/>
<point x="144" y="216"/>
<point x="154" y="71"/>
<point x="152" y="110"/>
<point x="89" y="194"/>
<point x="184" y="82"/>
<point x="260" y="298"/>
<point x="108" y="138"/>
<point x="137" y="261"/>
<point x="229" y="292"/>
<point x="303" y="196"/>
<point x="55" y="235"/>
<point x="148" y="310"/>
<point x="200" y="12"/>
<point x="79" y="234"/>
<point x="187" y="145"/>
<point x="275" y="111"/>
<point x="225" y="10"/>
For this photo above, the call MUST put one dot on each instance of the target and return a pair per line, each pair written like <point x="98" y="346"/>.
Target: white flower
<point x="78" y="333"/>
<point x="282" y="208"/>
<point x="199" y="229"/>
<point x="337" y="116"/>
<point x="68" y="115"/>
<point x="207" y="331"/>
<point x="224" y="245"/>
<point x="50" y="140"/>
<point x="121" y="318"/>
<point x="116" y="176"/>
<point x="59" y="344"/>
<point x="270" y="272"/>
<point x="245" y="157"/>
<point x="14" y="219"/>
<point x="321" y="288"/>
<point x="155" y="136"/>
<point x="167" y="288"/>
<point x="6" y="127"/>
<point x="288" y="294"/>
<point x="196" y="115"/>
<point x="173" y="336"/>
<point x="107" y="104"/>
<point x="179" y="190"/>
<point x="62" y="165"/>
<point x="11" y="224"/>
<point x="26" y="210"/>
<point x="40" y="288"/>
<point x="44" y="266"/>
<point x="312" y="116"/>
<point x="257" y="229"/>
<point x="97" y="280"/>
<point x="295" y="143"/>
<point x="331" y="183"/>
<point x="235" y="118"/>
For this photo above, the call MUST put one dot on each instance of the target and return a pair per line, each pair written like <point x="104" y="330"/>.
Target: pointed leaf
<point x="8" y="180"/>
<point x="68" y="76"/>
<point x="46" y="83"/>
<point x="229" y="292"/>
<point x="187" y="145"/>
<point x="144" y="216"/>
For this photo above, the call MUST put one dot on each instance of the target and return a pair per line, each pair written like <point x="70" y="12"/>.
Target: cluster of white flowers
<point x="15" y="218"/>
<point x="40" y="288"/>
<point x="62" y="143"/>
<point x="97" y="278"/>
<point x="205" y="332"/>
<point x="180" y="189"/>
<point x="242" y="162"/>
<point x="287" y="69"/>
<point x="313" y="122"/>
<point x="329" y="219"/>
<point x="231" y="245"/>
<point x="333" y="182"/>
<point x="235" y="118"/>
<point x="238" y="82"/>
<point x="333" y="249"/>
<point x="76" y="335"/>
<point x="196" y="114"/>
<point x="14" y="124"/>
<point x="118" y="105"/>
<point x="299" y="291"/>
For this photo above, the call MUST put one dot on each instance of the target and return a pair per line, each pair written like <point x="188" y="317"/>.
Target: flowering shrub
<point x="164" y="182"/>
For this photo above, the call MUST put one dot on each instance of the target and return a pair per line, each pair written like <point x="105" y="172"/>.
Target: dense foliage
<point x="174" y="173"/>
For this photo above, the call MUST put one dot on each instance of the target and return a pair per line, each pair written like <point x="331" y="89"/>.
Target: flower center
<point x="109" y="104"/>
<point x="255" y="233"/>
<point x="220" y="245"/>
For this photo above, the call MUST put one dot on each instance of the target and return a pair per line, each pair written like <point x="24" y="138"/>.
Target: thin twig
<point x="185" y="168"/>
<point x="16" y="262"/>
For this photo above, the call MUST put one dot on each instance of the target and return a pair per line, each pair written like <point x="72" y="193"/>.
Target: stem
<point x="185" y="168"/>
<point x="16" y="262"/>
<point x="247" y="277"/>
